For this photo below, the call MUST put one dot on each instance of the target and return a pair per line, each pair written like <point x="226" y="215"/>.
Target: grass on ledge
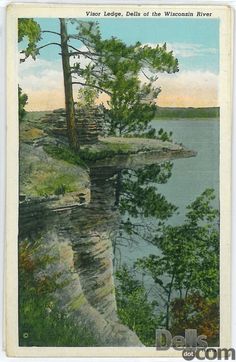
<point x="103" y="150"/>
<point x="65" y="154"/>
<point x="88" y="154"/>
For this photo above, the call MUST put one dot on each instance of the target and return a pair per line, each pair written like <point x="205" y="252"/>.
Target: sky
<point x="195" y="42"/>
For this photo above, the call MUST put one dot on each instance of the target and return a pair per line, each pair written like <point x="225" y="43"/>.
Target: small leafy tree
<point x="185" y="272"/>
<point x="196" y="311"/>
<point x="134" y="308"/>
<point x="188" y="261"/>
<point x="22" y="101"/>
<point x="30" y="30"/>
<point x="87" y="97"/>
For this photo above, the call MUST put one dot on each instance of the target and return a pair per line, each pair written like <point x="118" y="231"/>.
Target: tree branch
<point x="151" y="79"/>
<point x="81" y="52"/>
<point x="93" y="86"/>
<point x="77" y="50"/>
<point x="49" y="31"/>
<point x="83" y="40"/>
<point x="46" y="45"/>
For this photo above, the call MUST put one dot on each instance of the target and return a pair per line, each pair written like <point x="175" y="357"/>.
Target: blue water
<point x="193" y="175"/>
<point x="190" y="176"/>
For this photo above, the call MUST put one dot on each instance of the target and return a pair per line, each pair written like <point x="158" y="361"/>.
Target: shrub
<point x="134" y="308"/>
<point x="41" y="322"/>
<point x="22" y="101"/>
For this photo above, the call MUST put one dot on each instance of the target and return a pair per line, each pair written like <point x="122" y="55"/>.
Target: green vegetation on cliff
<point x="134" y="307"/>
<point x="41" y="322"/>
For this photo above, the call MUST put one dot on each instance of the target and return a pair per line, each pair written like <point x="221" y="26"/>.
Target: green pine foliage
<point x="126" y="73"/>
<point x="152" y="133"/>
<point x="139" y="196"/>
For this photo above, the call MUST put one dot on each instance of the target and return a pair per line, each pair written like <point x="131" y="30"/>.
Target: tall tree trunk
<point x="69" y="101"/>
<point x="168" y="302"/>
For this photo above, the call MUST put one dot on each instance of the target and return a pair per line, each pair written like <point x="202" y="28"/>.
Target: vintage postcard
<point x="118" y="180"/>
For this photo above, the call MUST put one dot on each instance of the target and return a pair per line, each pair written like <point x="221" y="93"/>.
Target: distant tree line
<point x="190" y="112"/>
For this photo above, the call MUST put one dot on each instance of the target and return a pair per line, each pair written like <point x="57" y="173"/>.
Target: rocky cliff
<point x="71" y="209"/>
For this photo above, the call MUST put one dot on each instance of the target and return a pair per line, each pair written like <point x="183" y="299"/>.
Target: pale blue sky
<point x="196" y="41"/>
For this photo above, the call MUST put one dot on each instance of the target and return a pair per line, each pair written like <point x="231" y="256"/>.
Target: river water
<point x="190" y="176"/>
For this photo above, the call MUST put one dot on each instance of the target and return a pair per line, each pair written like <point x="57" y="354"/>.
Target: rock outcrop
<point x="73" y="209"/>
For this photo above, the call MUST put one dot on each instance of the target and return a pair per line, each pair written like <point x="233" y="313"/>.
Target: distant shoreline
<point x="176" y="112"/>
<point x="190" y="112"/>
